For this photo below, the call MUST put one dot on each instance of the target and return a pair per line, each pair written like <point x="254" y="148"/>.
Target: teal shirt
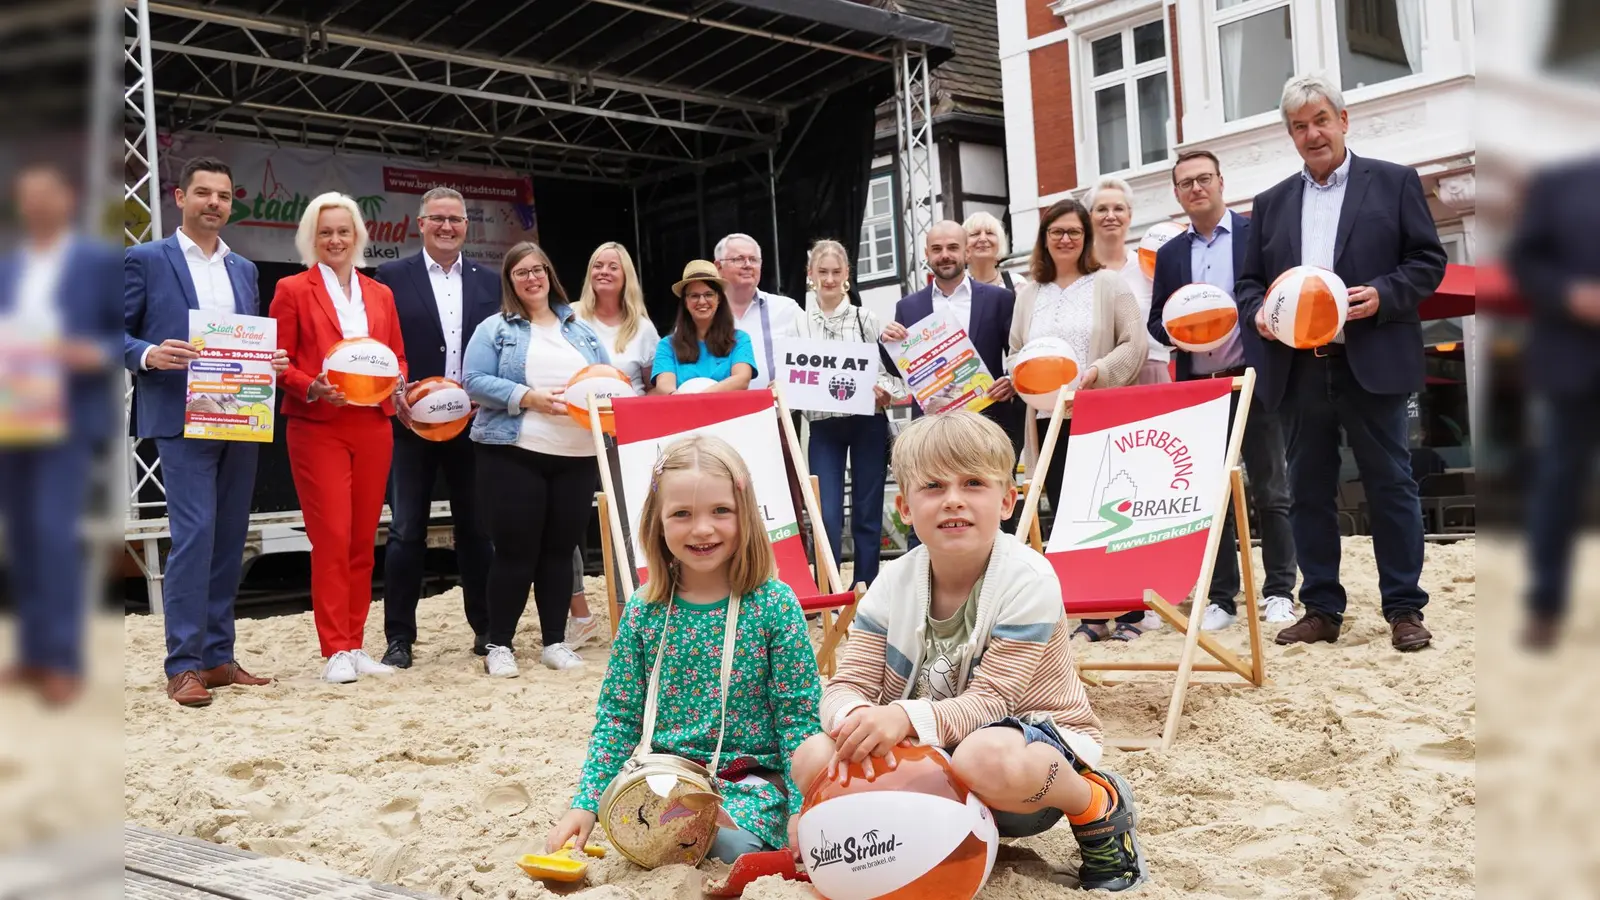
<point x="715" y="368"/>
<point x="773" y="699"/>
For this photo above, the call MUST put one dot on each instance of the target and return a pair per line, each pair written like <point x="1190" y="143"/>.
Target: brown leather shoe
<point x="59" y="688"/>
<point x="230" y="673"/>
<point x="1541" y="635"/>
<point x="1407" y="633"/>
<point x="1312" y="627"/>
<point x="186" y="689"/>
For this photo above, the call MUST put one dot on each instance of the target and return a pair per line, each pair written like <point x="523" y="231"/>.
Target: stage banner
<point x="941" y="367"/>
<point x="231" y="384"/>
<point x="273" y="185"/>
<point x="748" y="421"/>
<point x="1144" y="475"/>
<point x="827" y="376"/>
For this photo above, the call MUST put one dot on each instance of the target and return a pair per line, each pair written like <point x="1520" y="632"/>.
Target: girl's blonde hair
<point x="633" y="311"/>
<point x="826" y="246"/>
<point x="305" y="237"/>
<point x="752" y="562"/>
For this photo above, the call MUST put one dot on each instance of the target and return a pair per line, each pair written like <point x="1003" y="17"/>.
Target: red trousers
<point x="341" y="469"/>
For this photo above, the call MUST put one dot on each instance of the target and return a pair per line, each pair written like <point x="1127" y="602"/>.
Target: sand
<point x="1350" y="776"/>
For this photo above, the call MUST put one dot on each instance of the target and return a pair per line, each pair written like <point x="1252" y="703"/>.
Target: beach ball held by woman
<point x="1306" y="307"/>
<point x="601" y="382"/>
<point x="365" y="370"/>
<point x="1042" y="369"/>
<point x="1200" y="317"/>
<point x="1154" y="238"/>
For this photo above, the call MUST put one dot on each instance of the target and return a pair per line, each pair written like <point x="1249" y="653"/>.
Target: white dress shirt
<point x="212" y="287"/>
<point x="36" y="308"/>
<point x="352" y="310"/>
<point x="1320" y="205"/>
<point x="767" y="317"/>
<point x="957" y="305"/>
<point x="447" y="291"/>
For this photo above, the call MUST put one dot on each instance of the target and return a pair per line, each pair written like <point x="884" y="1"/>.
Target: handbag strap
<point x="729" y="634"/>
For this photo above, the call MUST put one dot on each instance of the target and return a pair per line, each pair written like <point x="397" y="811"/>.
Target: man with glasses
<point x="440" y="297"/>
<point x="763" y="316"/>
<point x="1210" y="252"/>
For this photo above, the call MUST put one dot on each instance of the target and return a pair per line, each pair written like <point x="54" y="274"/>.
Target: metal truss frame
<point x="913" y="98"/>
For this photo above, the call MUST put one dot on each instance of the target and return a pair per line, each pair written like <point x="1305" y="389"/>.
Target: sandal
<point x="1084" y="629"/>
<point x="1126" y="631"/>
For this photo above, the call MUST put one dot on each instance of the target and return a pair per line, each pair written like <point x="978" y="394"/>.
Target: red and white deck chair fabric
<point x="760" y="429"/>
<point x="1149" y="474"/>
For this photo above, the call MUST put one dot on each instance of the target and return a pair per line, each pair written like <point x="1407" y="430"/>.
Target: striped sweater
<point x="1021" y="660"/>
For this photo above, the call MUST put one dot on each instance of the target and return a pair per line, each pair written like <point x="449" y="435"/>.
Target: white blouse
<point x="635" y="358"/>
<point x="352" y="310"/>
<point x="551" y="362"/>
<point x="1066" y="313"/>
<point x="1133" y="275"/>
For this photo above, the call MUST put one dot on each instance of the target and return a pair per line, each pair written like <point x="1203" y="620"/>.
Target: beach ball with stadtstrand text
<point x="1306" y="307"/>
<point x="595" y="383"/>
<point x="696" y="386"/>
<point x="1154" y="238"/>
<point x="364" y="369"/>
<point x="912" y="833"/>
<point x="1200" y="317"/>
<point x="1042" y="369"/>
<point x="440" y="408"/>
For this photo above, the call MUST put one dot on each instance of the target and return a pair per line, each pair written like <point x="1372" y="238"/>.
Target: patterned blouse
<point x="773" y="697"/>
<point x="1066" y="313"/>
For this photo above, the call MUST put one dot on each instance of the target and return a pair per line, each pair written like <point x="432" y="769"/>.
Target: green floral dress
<point x="773" y="698"/>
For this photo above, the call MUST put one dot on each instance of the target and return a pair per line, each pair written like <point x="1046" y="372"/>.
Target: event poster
<point x="231" y="384"/>
<point x="941" y="367"/>
<point x="32" y="388"/>
<point x="827" y="376"/>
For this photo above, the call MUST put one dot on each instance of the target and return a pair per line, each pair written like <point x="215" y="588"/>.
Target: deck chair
<point x="1151" y="568"/>
<point x="759" y="426"/>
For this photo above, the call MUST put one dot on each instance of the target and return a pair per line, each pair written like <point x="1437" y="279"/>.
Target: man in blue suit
<point x="208" y="483"/>
<point x="441" y="296"/>
<point x="57" y="288"/>
<point x="1369" y="222"/>
<point x="1210" y="252"/>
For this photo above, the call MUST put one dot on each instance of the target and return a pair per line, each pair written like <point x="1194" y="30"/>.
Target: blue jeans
<point x="865" y="439"/>
<point x="1568" y="437"/>
<point x="1323" y="397"/>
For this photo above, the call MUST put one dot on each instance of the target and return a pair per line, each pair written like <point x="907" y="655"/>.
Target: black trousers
<point x="416" y="464"/>
<point x="535" y="507"/>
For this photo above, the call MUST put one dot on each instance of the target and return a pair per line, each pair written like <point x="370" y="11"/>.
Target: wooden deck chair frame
<point x="1252" y="671"/>
<point x="835" y="602"/>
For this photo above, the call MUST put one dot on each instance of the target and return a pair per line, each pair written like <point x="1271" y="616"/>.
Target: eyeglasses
<point x="708" y="295"/>
<point x="743" y="260"/>
<point x="444" y="220"/>
<point x="539" y="272"/>
<point x="1071" y="234"/>
<point x="1200" y="181"/>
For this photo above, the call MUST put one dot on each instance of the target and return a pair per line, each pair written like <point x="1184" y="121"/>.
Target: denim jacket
<point x="494" y="369"/>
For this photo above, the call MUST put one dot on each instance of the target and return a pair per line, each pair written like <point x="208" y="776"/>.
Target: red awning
<point x="1500" y="295"/>
<point x="1456" y="296"/>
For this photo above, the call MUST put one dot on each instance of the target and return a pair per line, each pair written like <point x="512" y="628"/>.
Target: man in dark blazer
<point x="1558" y="273"/>
<point x="982" y="309"/>
<point x="441" y="296"/>
<point x="1368" y="221"/>
<point x="208" y="483"/>
<point x="61" y="288"/>
<point x="1211" y="252"/>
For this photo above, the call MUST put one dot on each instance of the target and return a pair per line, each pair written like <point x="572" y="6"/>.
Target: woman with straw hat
<point x="703" y="345"/>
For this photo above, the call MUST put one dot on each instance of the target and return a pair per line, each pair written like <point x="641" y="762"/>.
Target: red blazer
<point x="308" y="326"/>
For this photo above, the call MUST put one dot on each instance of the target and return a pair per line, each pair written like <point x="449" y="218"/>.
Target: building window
<point x="1129" y="79"/>
<point x="1379" y="40"/>
<point x="876" y="257"/>
<point x="1256" y="43"/>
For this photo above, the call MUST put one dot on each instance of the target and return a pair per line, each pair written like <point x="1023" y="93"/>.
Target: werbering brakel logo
<point x="872" y="848"/>
<point x="1145" y="497"/>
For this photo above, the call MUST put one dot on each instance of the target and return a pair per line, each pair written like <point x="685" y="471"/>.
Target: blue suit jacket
<point x="419" y="313"/>
<point x="87" y="301"/>
<point x="1552" y="249"/>
<point x="157" y="294"/>
<point x="990" y="330"/>
<point x="1396" y="249"/>
<point x="1174" y="270"/>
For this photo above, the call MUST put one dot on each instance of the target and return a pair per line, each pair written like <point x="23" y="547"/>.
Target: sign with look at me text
<point x="827" y="376"/>
<point x="231" y="384"/>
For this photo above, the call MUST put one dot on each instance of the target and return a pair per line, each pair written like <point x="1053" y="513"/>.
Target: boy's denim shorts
<point x="1021" y="825"/>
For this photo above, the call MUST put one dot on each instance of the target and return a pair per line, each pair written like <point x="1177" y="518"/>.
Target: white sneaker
<point x="366" y="665"/>
<point x="1216" y="619"/>
<point x="501" y="662"/>
<point x="582" y="631"/>
<point x="341" y="669"/>
<point x="1151" y="621"/>
<point x="560" y="656"/>
<point x="1278" y="610"/>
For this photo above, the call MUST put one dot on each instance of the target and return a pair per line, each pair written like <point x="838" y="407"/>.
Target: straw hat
<point x="699" y="270"/>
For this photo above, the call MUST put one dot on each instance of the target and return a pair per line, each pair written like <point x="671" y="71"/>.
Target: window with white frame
<point x="1379" y="40"/>
<point x="1255" y="41"/>
<point x="1131" y="95"/>
<point x="876" y="257"/>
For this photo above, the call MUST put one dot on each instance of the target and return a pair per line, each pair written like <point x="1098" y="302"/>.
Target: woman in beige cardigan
<point x="1072" y="297"/>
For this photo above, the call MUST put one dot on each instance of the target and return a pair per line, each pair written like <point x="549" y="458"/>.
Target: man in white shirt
<point x="757" y="313"/>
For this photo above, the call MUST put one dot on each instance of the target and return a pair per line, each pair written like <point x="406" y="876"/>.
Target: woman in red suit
<point x="339" y="453"/>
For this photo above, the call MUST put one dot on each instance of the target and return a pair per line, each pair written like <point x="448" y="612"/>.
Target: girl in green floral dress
<point x="704" y="540"/>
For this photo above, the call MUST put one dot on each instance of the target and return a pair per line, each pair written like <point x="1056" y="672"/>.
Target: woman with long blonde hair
<point x="612" y="303"/>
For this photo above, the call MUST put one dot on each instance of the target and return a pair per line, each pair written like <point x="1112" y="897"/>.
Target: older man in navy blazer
<point x="441" y="296"/>
<point x="208" y="483"/>
<point x="1369" y="222"/>
<point x="1210" y="252"/>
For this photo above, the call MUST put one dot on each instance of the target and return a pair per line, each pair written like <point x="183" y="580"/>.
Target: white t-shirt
<point x="635" y="358"/>
<point x="1133" y="275"/>
<point x="550" y="363"/>
<point x="782" y="316"/>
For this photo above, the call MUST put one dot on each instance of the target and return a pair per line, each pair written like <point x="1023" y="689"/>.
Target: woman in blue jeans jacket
<point x="536" y="466"/>
<point x="865" y="439"/>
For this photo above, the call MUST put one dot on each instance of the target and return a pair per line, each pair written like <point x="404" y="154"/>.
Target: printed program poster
<point x="32" y="388"/>
<point x="827" y="376"/>
<point x="941" y="367"/>
<point x="231" y="384"/>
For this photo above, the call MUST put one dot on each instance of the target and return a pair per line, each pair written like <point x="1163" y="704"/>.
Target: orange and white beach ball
<point x="364" y="369"/>
<point x="1200" y="317"/>
<point x="1042" y="369"/>
<point x="440" y="408"/>
<point x="1154" y="239"/>
<point x="696" y="386"/>
<point x="1306" y="306"/>
<point x="600" y="382"/>
<point x="913" y="832"/>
